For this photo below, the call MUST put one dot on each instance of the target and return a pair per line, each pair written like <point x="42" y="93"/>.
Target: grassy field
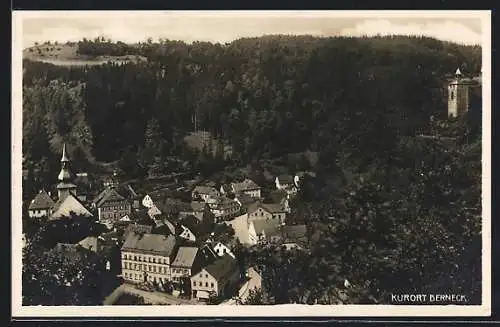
<point x="66" y="55"/>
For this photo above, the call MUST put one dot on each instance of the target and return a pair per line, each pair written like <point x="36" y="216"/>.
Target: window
<point x="206" y="284"/>
<point x="135" y="257"/>
<point x="206" y="275"/>
<point x="154" y="260"/>
<point x="149" y="267"/>
<point x="212" y="285"/>
<point x="165" y="261"/>
<point x="194" y="283"/>
<point x="125" y="265"/>
<point x="452" y="95"/>
<point x="135" y="266"/>
<point x="126" y="275"/>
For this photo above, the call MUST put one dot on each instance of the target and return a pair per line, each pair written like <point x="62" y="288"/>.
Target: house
<point x="68" y="205"/>
<point x="248" y="187"/>
<point x="111" y="206"/>
<point x="195" y="208"/>
<point x="224" y="208"/>
<point x="187" y="234"/>
<point x="294" y="235"/>
<point x="41" y="205"/>
<point x="221" y="249"/>
<point x="283" y="182"/>
<point x="92" y="243"/>
<point x="267" y="211"/>
<point x="287" y="183"/>
<point x="240" y="226"/>
<point x="263" y="231"/>
<point x="219" y="278"/>
<point x="186" y="263"/>
<point x="147" y="258"/>
<point x="204" y="193"/>
<point x="281" y="197"/>
<point x="170" y="207"/>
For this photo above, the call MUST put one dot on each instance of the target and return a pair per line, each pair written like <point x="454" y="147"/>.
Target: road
<point x="155" y="298"/>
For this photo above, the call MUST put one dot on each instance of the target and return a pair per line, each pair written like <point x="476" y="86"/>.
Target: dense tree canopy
<point x="387" y="210"/>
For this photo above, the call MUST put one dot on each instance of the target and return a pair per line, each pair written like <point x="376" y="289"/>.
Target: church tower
<point x="458" y="95"/>
<point x="65" y="186"/>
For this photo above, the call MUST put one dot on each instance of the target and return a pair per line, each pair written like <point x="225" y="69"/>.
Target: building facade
<point x="147" y="258"/>
<point x="218" y="278"/>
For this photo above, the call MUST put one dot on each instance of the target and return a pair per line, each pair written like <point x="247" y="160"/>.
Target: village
<point x="182" y="245"/>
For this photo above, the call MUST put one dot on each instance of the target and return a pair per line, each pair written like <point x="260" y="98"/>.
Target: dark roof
<point x="278" y="196"/>
<point x="294" y="232"/>
<point x="171" y="205"/>
<point x="246" y="185"/>
<point x="185" y="257"/>
<point x="203" y="189"/>
<point x="198" y="206"/>
<point x="245" y="199"/>
<point x="137" y="229"/>
<point x="190" y="222"/>
<point x="269" y="226"/>
<point x="285" y="179"/>
<point x="64" y="185"/>
<point x="41" y="201"/>
<point x="108" y="195"/>
<point x="222" y="268"/>
<point x="159" y="244"/>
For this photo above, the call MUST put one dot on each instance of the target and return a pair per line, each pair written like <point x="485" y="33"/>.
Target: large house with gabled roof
<point x="219" y="278"/>
<point x="111" y="206"/>
<point x="147" y="258"/>
<point x="41" y="205"/>
<point x="248" y="187"/>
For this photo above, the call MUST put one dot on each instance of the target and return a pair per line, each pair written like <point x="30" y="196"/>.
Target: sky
<point x="227" y="26"/>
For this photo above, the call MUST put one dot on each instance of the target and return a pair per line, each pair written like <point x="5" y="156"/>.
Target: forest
<point x="387" y="210"/>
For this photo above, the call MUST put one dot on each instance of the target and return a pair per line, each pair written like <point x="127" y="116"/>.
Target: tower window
<point x="452" y="95"/>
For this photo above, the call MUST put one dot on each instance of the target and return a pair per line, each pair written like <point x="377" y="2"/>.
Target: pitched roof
<point x="278" y="196"/>
<point x="285" y="179"/>
<point x="185" y="256"/>
<point x="137" y="229"/>
<point x="41" y="201"/>
<point x="204" y="189"/>
<point x="171" y="205"/>
<point x="245" y="199"/>
<point x="273" y="207"/>
<point x="160" y="244"/>
<point x="90" y="243"/>
<point x="294" y="232"/>
<point x="246" y="185"/>
<point x="269" y="207"/>
<point x="269" y="227"/>
<point x="190" y="222"/>
<point x="67" y="204"/>
<point x="222" y="268"/>
<point x="108" y="195"/>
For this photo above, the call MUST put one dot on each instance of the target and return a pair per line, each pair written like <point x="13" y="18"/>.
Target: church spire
<point x="64" y="156"/>
<point x="65" y="174"/>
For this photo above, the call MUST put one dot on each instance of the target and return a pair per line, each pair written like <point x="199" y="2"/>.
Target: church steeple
<point x="65" y="185"/>
<point x="65" y="174"/>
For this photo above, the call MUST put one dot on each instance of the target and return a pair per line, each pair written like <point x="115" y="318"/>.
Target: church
<point x="67" y="202"/>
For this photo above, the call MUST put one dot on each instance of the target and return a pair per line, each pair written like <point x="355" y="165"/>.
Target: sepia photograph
<point x="274" y="163"/>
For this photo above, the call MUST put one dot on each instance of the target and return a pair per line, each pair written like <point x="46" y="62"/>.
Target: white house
<point x="187" y="234"/>
<point x="267" y="211"/>
<point x="221" y="249"/>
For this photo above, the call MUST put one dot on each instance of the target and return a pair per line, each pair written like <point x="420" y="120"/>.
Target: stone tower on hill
<point x="463" y="92"/>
